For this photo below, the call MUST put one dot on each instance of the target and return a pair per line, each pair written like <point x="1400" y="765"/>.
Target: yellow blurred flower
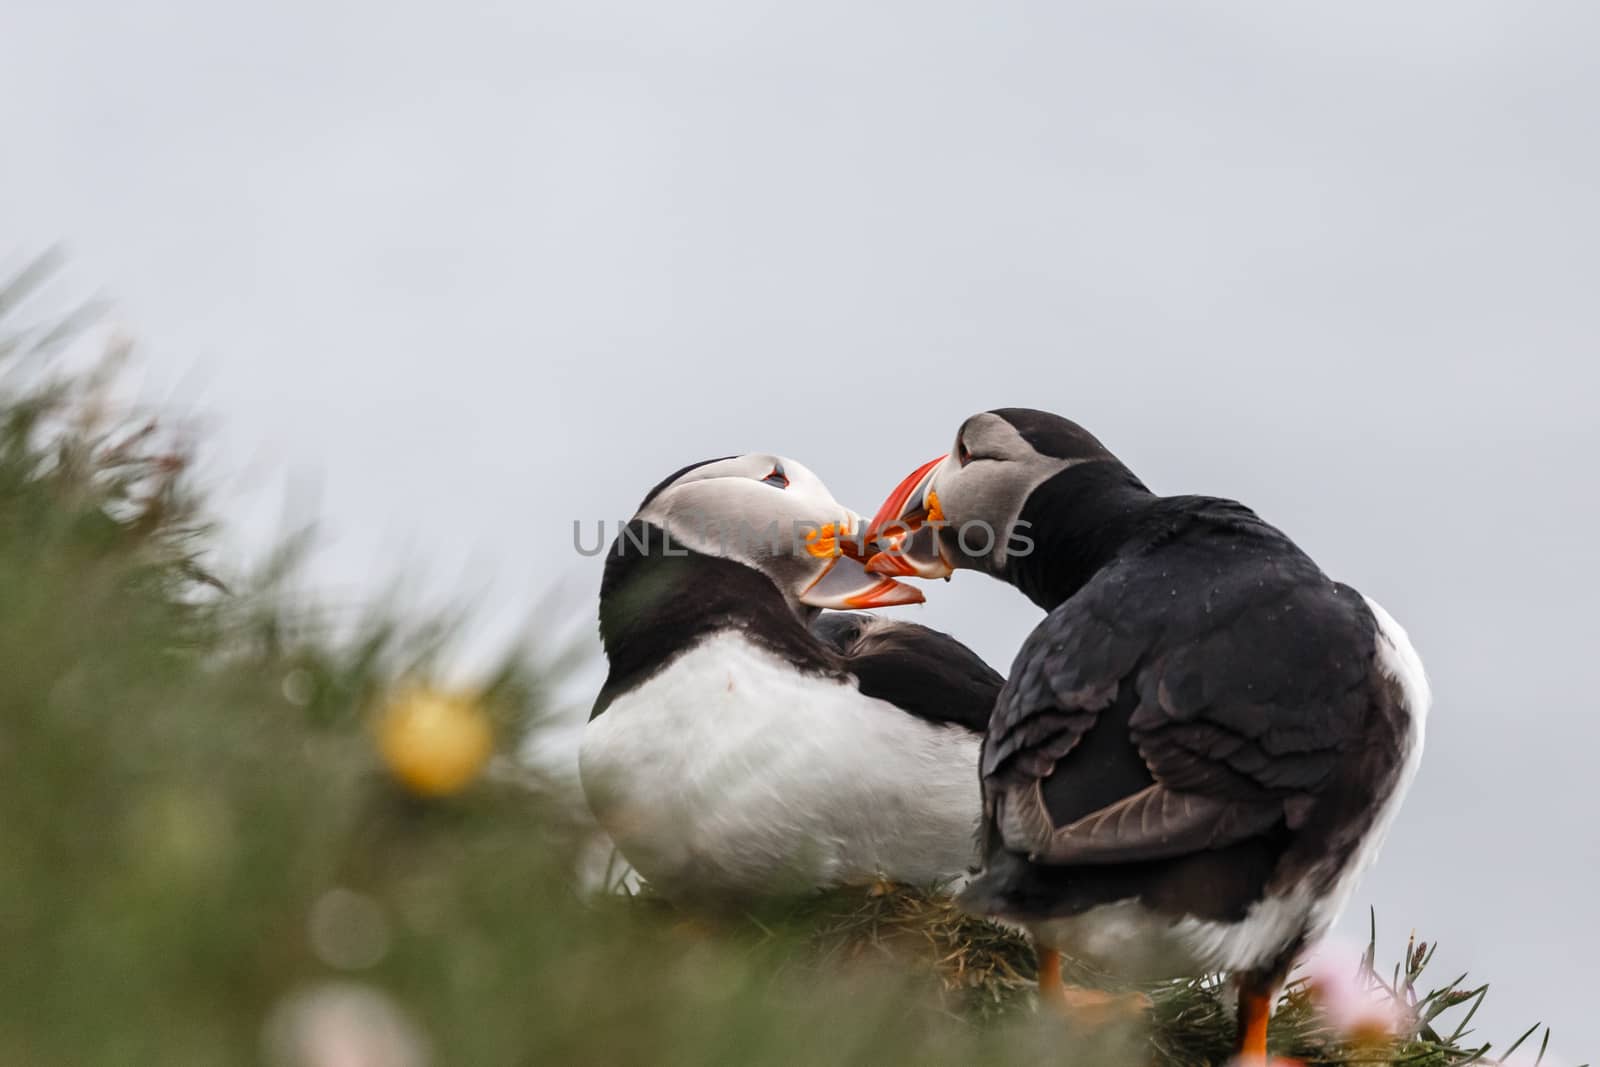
<point x="434" y="742"/>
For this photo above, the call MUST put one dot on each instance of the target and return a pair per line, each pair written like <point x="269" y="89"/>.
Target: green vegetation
<point x="205" y="860"/>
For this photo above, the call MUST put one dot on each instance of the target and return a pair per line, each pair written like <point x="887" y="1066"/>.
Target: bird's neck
<point x="658" y="600"/>
<point x="1080" y="520"/>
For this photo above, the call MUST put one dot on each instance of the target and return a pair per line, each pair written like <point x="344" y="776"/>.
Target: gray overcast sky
<point x="474" y="270"/>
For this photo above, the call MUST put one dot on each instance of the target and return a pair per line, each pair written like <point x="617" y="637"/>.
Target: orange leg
<point x="1255" y="1008"/>
<point x="1050" y="987"/>
<point x="1090" y="1008"/>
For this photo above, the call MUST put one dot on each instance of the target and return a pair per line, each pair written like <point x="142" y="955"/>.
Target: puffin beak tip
<point x="896" y="508"/>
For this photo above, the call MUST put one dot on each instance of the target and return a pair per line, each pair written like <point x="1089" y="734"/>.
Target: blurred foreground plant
<point x="206" y="859"/>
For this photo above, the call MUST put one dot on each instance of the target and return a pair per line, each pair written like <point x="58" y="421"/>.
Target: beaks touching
<point x="845" y="583"/>
<point x="906" y="528"/>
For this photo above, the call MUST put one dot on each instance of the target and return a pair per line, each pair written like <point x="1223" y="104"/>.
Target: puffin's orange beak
<point x="905" y="530"/>
<point x="845" y="581"/>
<point x="905" y="507"/>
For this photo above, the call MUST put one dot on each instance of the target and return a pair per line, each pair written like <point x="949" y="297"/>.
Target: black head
<point x="966" y="509"/>
<point x="1050" y="436"/>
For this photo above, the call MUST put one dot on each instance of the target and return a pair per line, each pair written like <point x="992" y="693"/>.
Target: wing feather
<point x="1241" y="683"/>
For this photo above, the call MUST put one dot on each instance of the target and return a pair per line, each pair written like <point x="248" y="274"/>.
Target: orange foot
<point x="1089" y="1009"/>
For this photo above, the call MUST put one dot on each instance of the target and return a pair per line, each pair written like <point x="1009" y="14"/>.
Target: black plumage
<point x="1202" y="744"/>
<point x="1198" y="722"/>
<point x="657" y="602"/>
<point x="659" y="599"/>
<point x="918" y="669"/>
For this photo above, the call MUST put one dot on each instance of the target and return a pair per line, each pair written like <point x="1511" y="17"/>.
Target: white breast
<point x="731" y="772"/>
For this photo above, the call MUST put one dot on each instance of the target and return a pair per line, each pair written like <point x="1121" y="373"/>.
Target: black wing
<point x="1189" y="699"/>
<point x="924" y="672"/>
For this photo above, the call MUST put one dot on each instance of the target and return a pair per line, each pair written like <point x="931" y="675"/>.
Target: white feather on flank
<point x="1129" y="939"/>
<point x="729" y="771"/>
<point x="1400" y="662"/>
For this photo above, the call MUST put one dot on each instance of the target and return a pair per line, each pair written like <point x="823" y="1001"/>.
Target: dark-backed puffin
<point x="1200" y="748"/>
<point x="741" y="745"/>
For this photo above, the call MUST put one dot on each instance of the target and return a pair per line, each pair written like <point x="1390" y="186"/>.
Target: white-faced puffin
<point x="1200" y="748"/>
<point x="741" y="745"/>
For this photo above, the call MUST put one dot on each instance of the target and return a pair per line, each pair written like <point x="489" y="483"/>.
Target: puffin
<point x="1199" y="749"/>
<point x="758" y="734"/>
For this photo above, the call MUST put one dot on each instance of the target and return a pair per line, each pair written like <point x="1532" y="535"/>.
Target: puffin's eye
<point x="777" y="478"/>
<point x="963" y="454"/>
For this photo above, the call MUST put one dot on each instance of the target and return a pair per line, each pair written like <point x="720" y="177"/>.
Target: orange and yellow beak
<point x="905" y="531"/>
<point x="845" y="581"/>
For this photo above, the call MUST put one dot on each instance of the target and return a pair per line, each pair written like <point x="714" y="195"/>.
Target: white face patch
<point x="1001" y="471"/>
<point x="766" y="511"/>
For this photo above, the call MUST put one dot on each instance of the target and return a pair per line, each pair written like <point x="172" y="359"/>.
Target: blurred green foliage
<point x="203" y="859"/>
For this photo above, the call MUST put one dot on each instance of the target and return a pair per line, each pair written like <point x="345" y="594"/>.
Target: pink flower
<point x="1353" y="1004"/>
<point x="342" y="1024"/>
